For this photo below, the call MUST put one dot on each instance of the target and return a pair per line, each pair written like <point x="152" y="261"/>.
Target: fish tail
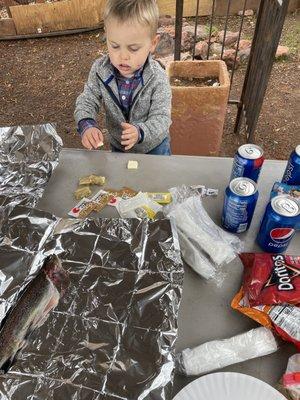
<point x="8" y="363"/>
<point x="9" y="357"/>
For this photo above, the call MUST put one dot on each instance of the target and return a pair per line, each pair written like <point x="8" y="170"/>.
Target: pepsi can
<point x="247" y="162"/>
<point x="278" y="224"/>
<point x="291" y="175"/>
<point x="239" y="204"/>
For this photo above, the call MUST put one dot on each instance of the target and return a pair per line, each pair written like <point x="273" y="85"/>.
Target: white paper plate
<point x="228" y="386"/>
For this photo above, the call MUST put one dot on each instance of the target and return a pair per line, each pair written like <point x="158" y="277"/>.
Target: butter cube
<point x="132" y="164"/>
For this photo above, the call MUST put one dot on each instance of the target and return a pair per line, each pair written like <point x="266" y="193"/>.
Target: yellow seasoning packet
<point x="139" y="206"/>
<point x="160" y="197"/>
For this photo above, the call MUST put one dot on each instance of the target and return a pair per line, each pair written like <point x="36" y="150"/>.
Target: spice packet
<point x="160" y="197"/>
<point x="101" y="199"/>
<point x="80" y="210"/>
<point x="122" y="194"/>
<point x="139" y="206"/>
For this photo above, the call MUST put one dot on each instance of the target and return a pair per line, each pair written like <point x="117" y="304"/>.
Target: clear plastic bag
<point x="194" y="257"/>
<point x="219" y="353"/>
<point x="291" y="379"/>
<point x="205" y="246"/>
<point x="139" y="206"/>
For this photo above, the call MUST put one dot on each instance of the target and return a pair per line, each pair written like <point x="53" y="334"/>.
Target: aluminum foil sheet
<point x="113" y="334"/>
<point x="28" y="155"/>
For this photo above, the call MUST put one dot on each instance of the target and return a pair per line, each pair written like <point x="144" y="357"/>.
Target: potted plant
<point x="200" y="91"/>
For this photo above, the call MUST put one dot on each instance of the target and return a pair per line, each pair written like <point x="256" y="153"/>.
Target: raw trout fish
<point x="31" y="309"/>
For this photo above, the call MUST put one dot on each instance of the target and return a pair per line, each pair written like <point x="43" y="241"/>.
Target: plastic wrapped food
<point x="219" y="353"/>
<point x="271" y="292"/>
<point x="205" y="246"/>
<point x="194" y="257"/>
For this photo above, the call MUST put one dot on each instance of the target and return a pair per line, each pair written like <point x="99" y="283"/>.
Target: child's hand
<point x="92" y="138"/>
<point x="130" y="135"/>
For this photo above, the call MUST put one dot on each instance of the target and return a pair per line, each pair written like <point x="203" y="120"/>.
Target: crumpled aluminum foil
<point x="28" y="156"/>
<point x="113" y="334"/>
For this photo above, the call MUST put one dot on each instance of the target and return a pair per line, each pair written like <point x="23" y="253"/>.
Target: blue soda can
<point x="247" y="162"/>
<point x="291" y="175"/>
<point x="239" y="204"/>
<point x="278" y="224"/>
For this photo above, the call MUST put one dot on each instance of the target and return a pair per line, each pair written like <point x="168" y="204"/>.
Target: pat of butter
<point x="132" y="164"/>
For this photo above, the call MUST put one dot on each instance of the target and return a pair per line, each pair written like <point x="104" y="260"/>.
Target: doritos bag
<point x="271" y="292"/>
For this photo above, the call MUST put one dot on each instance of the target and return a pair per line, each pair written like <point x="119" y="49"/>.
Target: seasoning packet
<point x="160" y="197"/>
<point x="101" y="199"/>
<point x="92" y="180"/>
<point x="82" y="209"/>
<point x="139" y="206"/>
<point x="122" y="194"/>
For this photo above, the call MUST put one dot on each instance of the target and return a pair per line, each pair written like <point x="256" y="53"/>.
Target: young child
<point x="132" y="87"/>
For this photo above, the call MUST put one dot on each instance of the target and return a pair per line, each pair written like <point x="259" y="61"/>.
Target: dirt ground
<point x="41" y="78"/>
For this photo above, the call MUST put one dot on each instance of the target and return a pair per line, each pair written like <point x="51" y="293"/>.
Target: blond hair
<point x="145" y="12"/>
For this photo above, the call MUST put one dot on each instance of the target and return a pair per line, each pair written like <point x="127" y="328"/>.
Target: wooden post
<point x="9" y="3"/>
<point x="178" y="29"/>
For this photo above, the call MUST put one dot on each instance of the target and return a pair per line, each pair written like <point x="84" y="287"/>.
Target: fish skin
<point x="31" y="310"/>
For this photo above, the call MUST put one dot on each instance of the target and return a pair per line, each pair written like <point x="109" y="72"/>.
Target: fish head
<point x="55" y="272"/>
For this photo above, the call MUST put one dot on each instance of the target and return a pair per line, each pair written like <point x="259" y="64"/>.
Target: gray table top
<point x="205" y="312"/>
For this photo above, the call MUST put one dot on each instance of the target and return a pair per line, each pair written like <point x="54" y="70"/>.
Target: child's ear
<point x="154" y="43"/>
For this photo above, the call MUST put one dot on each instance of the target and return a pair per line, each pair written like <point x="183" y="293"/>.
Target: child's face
<point x="129" y="45"/>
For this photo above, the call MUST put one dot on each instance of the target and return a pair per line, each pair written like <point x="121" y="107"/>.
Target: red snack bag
<point x="271" y="278"/>
<point x="271" y="293"/>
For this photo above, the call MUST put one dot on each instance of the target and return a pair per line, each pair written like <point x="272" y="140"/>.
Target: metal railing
<point x="267" y="34"/>
<point x="268" y="28"/>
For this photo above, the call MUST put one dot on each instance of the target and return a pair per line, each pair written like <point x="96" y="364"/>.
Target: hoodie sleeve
<point x="88" y="102"/>
<point x="156" y="128"/>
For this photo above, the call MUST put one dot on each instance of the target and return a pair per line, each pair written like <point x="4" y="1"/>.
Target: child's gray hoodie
<point x="150" y="109"/>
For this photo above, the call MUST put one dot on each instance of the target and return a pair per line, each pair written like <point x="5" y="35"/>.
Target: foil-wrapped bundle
<point x="112" y="335"/>
<point x="28" y="155"/>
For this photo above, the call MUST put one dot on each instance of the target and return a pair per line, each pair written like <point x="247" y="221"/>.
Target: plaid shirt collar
<point x="138" y="75"/>
<point x="106" y="74"/>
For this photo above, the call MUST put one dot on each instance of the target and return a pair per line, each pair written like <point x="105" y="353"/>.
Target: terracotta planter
<point x="198" y="113"/>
